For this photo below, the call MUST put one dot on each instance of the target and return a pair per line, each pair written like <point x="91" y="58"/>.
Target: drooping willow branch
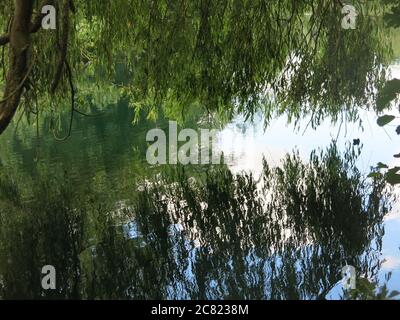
<point x="73" y="110"/>
<point x="63" y="46"/>
<point x="22" y="83"/>
<point x="63" y="62"/>
<point x="73" y="105"/>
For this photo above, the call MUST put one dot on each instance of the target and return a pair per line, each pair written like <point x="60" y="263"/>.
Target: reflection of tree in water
<point x="217" y="236"/>
<point x="288" y="239"/>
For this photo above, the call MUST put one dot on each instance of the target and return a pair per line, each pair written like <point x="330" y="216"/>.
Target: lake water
<point x="280" y="138"/>
<point x="192" y="260"/>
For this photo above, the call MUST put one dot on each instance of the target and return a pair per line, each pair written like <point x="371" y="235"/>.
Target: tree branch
<point x="35" y="24"/>
<point x="18" y="57"/>
<point x="63" y="47"/>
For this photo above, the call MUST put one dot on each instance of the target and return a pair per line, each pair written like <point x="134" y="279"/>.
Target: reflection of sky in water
<point x="379" y="145"/>
<point x="248" y="148"/>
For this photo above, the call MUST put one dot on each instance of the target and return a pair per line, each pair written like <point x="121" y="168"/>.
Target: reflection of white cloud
<point x="246" y="150"/>
<point x="390" y="263"/>
<point x="250" y="156"/>
<point x="248" y="147"/>
<point x="395" y="71"/>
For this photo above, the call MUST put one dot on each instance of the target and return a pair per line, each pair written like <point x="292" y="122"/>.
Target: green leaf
<point x="381" y="165"/>
<point x="388" y="93"/>
<point x="394" y="170"/>
<point x="392" y="177"/>
<point x="374" y="175"/>
<point x="384" y="120"/>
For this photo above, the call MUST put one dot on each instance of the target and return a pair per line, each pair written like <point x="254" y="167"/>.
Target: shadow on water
<point x="181" y="235"/>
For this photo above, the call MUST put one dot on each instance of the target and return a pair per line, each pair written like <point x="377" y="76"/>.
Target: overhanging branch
<point x="35" y="24"/>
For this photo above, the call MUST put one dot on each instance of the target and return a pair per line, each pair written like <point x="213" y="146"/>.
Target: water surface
<point x="165" y="232"/>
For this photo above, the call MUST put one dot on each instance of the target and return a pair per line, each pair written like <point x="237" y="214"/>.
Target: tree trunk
<point x="18" y="61"/>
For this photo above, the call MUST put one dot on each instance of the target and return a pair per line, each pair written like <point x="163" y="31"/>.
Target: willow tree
<point x="284" y="56"/>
